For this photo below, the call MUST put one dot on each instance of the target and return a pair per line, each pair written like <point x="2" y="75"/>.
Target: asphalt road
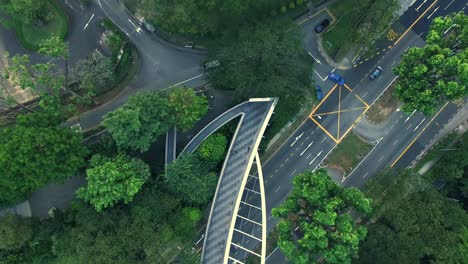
<point x="160" y="65"/>
<point x="310" y="144"/>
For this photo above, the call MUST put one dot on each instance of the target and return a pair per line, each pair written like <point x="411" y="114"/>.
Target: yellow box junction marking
<point x="338" y="137"/>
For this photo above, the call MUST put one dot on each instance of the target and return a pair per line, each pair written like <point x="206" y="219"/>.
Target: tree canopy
<point x="213" y="148"/>
<point x="15" y="231"/>
<point x="203" y="18"/>
<point x="148" y="115"/>
<point x="140" y="121"/>
<point x="316" y="223"/>
<point x="113" y="180"/>
<point x="264" y="60"/>
<point x="423" y="227"/>
<point x="37" y="151"/>
<point x="187" y="106"/>
<point x="438" y="71"/>
<point x="191" y="179"/>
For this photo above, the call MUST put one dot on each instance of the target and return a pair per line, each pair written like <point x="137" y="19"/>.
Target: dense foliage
<point x="111" y="180"/>
<point x="264" y="60"/>
<point x="191" y="179"/>
<point x="148" y="115"/>
<point x="34" y="152"/>
<point x="203" y="18"/>
<point x="419" y="228"/>
<point x="15" y="231"/>
<point x="438" y="71"/>
<point x="213" y="148"/>
<point x="316" y="222"/>
<point x="188" y="108"/>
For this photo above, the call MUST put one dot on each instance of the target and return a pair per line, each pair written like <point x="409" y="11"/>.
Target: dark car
<point x="321" y="27"/>
<point x="319" y="92"/>
<point x="336" y="78"/>
<point x="376" y="73"/>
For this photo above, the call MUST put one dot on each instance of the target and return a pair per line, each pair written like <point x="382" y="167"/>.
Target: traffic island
<point x="348" y="154"/>
<point x="54" y="23"/>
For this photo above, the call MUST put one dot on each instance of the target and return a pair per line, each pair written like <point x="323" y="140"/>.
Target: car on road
<point x="336" y="78"/>
<point x="376" y="73"/>
<point x="322" y="26"/>
<point x="318" y="89"/>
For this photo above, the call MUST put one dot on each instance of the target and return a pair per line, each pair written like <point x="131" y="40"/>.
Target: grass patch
<point x="31" y="36"/>
<point x="339" y="38"/>
<point x="348" y="153"/>
<point x="385" y="106"/>
<point x="125" y="64"/>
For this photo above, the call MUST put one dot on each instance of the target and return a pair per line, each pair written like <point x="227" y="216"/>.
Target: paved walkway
<point x="238" y="162"/>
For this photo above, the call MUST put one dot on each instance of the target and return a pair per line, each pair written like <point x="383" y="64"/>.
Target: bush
<point x="299" y="2"/>
<point x="283" y="9"/>
<point x="292" y="5"/>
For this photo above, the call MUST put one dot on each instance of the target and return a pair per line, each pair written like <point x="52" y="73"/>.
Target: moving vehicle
<point x="376" y="73"/>
<point x="319" y="92"/>
<point x="336" y="78"/>
<point x="322" y="26"/>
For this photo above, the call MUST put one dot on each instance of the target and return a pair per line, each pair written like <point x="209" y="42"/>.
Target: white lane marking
<point x="320" y="76"/>
<point x="308" y="146"/>
<point x="393" y="63"/>
<point x="310" y="163"/>
<point x="416" y="128"/>
<point x="409" y="127"/>
<point x="88" y="22"/>
<point x="417" y="9"/>
<point x="365" y="175"/>
<point x="449" y="5"/>
<point x="308" y="156"/>
<point x="297" y="138"/>
<point x="315" y="59"/>
<point x="408" y="118"/>
<point x="137" y="28"/>
<point x="359" y="164"/>
<point x="395" y="142"/>
<point x="323" y="139"/>
<point x="278" y="189"/>
<point x="293" y="172"/>
<point x="435" y="10"/>
<point x="364" y="95"/>
<point x="383" y="91"/>
<point x="271" y="253"/>
<point x="381" y="158"/>
<point x="188" y="80"/>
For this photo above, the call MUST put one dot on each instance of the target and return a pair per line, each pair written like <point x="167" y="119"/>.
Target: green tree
<point x="191" y="179"/>
<point x="15" y="231"/>
<point x="37" y="151"/>
<point x="27" y="10"/>
<point x="438" y="71"/>
<point x="264" y="60"/>
<point x="315" y="220"/>
<point x="94" y="74"/>
<point x="421" y="227"/>
<point x="213" y="148"/>
<point x="205" y="18"/>
<point x="140" y="121"/>
<point x="187" y="106"/>
<point x="110" y="181"/>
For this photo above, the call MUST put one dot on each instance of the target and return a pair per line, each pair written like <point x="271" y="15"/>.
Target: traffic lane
<point x="85" y="28"/>
<point x="387" y="61"/>
<point x="397" y="139"/>
<point x="426" y="137"/>
<point x="441" y="8"/>
<point x="399" y="135"/>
